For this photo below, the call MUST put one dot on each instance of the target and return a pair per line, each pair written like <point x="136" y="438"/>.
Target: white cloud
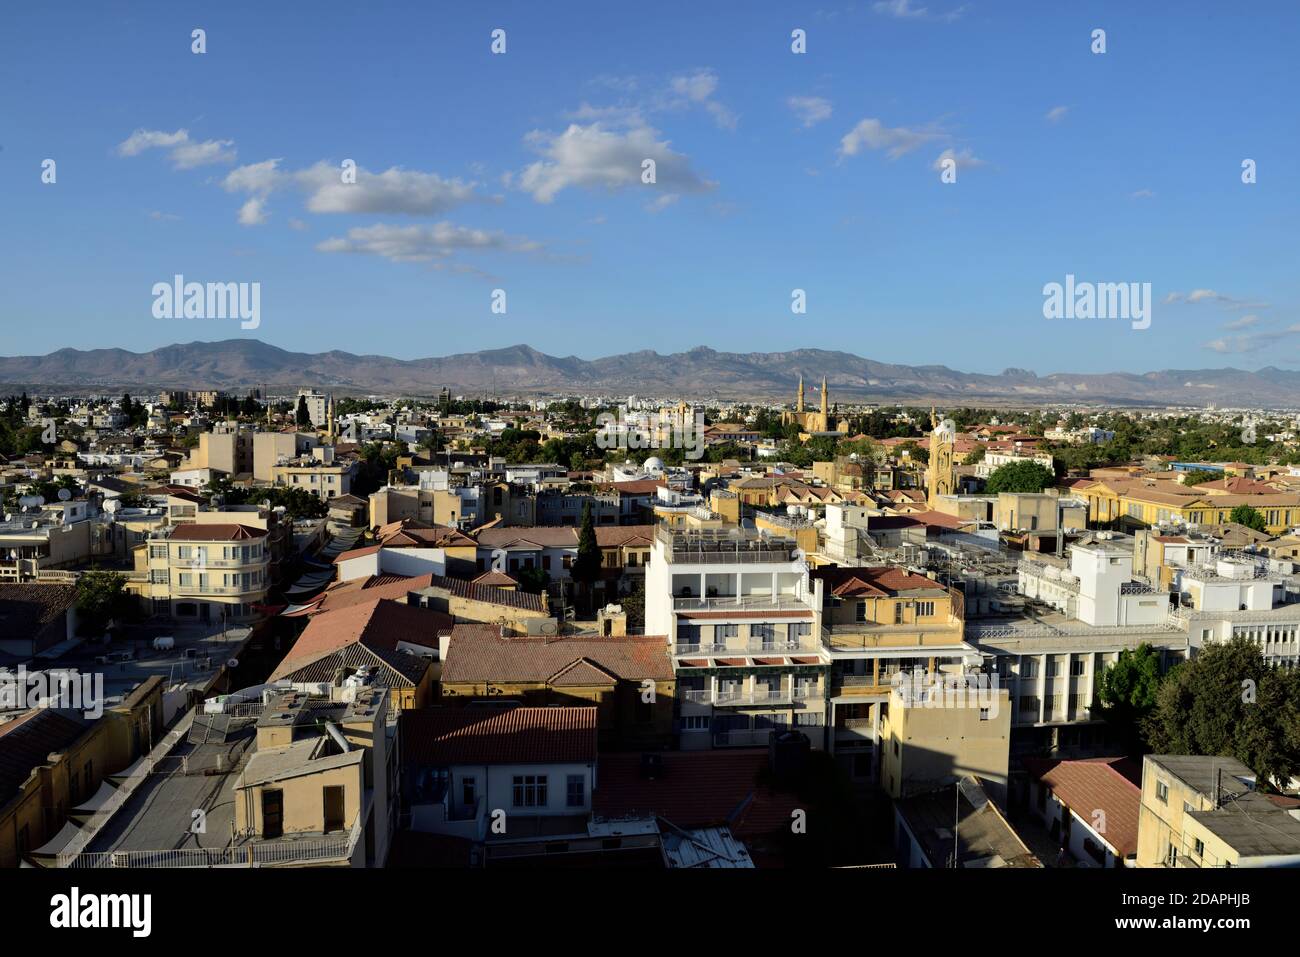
<point x="256" y="178"/>
<point x="1251" y="342"/>
<point x="593" y="156"/>
<point x="396" y="190"/>
<point x="810" y="110"/>
<point x="1245" y="322"/>
<point x="1142" y="194"/>
<point x="1209" y="295"/>
<point x="253" y="212"/>
<point x="298" y="224"/>
<point x="1056" y="114"/>
<point x="697" y="88"/>
<point x="422" y="243"/>
<point x="903" y="10"/>
<point x="873" y="135"/>
<point x="964" y="160"/>
<point x="184" y="152"/>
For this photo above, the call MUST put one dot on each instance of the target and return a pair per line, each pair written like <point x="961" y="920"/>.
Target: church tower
<point x="939" y="474"/>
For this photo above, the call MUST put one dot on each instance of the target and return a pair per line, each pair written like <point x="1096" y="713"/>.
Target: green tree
<point x="586" y="565"/>
<point x="101" y="597"/>
<point x="1250" y="517"/>
<point x="976" y="456"/>
<point x="1227" y="701"/>
<point x="1199" y="476"/>
<point x="302" y="416"/>
<point x="1127" y="692"/>
<point x="1021" y="476"/>
<point x="533" y="580"/>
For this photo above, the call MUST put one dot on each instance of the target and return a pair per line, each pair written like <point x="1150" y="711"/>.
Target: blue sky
<point x="776" y="171"/>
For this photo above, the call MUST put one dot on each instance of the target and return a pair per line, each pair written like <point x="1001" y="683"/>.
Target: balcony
<point x="204" y="591"/>
<point x="863" y="685"/>
<point x="854" y="635"/>
<point x="759" y="697"/>
<point x="259" y="562"/>
<point x="740" y="603"/>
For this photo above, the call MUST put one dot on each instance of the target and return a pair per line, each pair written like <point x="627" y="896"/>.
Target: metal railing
<point x="304" y="851"/>
<point x="733" y="602"/>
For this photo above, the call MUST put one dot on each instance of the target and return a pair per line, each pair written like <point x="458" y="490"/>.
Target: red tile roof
<point x="696" y="789"/>
<point x="478" y="653"/>
<point x="876" y="581"/>
<point x="349" y="593"/>
<point x="443" y="737"/>
<point x="378" y="624"/>
<point x="215" y="532"/>
<point x="1110" y="785"/>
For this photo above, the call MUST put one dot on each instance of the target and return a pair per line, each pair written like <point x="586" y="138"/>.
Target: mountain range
<point x="701" y="373"/>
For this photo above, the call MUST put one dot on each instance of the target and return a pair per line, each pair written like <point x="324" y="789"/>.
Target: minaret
<point x="826" y="409"/>
<point x="329" y="419"/>
<point x="799" y="406"/>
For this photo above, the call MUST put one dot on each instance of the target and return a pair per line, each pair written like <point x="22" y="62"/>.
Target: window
<point x="728" y="631"/>
<point x="861" y="612"/>
<point x="695" y="722"/>
<point x="984" y="714"/>
<point x="898" y="612"/>
<point x="924" y="609"/>
<point x="1077" y="666"/>
<point x="576" y="791"/>
<point x="530" y="790"/>
<point x="468" y="786"/>
<point x="1199" y="848"/>
<point x="1162" y="792"/>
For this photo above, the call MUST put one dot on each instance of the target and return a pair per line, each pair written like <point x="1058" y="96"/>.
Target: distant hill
<point x="700" y="373"/>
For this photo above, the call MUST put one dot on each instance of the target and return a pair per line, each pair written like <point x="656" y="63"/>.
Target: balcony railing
<point x="739" y="603"/>
<point x="306" y="851"/>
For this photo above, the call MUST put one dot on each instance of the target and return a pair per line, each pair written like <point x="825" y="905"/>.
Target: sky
<point x="775" y="171"/>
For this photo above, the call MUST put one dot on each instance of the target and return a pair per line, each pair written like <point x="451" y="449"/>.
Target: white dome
<point x="653" y="464"/>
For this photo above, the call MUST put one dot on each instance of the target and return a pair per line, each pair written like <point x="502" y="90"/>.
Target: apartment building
<point x="57" y="535"/>
<point x="742" y="618"/>
<point x="317" y="472"/>
<point x="1205" y="811"/>
<point x="1077" y="616"/>
<point x="204" y="572"/>
<point x="228" y="449"/>
<point x="876" y="624"/>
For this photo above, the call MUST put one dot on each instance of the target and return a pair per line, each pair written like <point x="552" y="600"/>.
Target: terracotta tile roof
<point x="378" y="624"/>
<point x="27" y="742"/>
<point x="349" y="593"/>
<point x="36" y="611"/>
<point x="478" y="653"/>
<point x="436" y="536"/>
<point x="877" y="581"/>
<point x="215" y="532"/>
<point x="444" y="737"/>
<point x="395" y="669"/>
<point x="1111" y="785"/>
<point x="696" y="789"/>
<point x="640" y="487"/>
<point x="356" y="553"/>
<point x="582" y="673"/>
<point x="495" y="579"/>
<point x="487" y="594"/>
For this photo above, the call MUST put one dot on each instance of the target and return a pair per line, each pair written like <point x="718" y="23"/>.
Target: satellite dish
<point x="232" y="662"/>
<point x="31" y="501"/>
<point x="64" y="495"/>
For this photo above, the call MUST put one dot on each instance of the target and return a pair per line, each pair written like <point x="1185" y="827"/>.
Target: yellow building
<point x="628" y="678"/>
<point x="940" y="478"/>
<point x="938" y="732"/>
<point x="1151" y="501"/>
<point x="71" y="760"/>
<point x="1204" y="811"/>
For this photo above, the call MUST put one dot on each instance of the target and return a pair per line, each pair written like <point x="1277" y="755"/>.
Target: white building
<point x="743" y="624"/>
